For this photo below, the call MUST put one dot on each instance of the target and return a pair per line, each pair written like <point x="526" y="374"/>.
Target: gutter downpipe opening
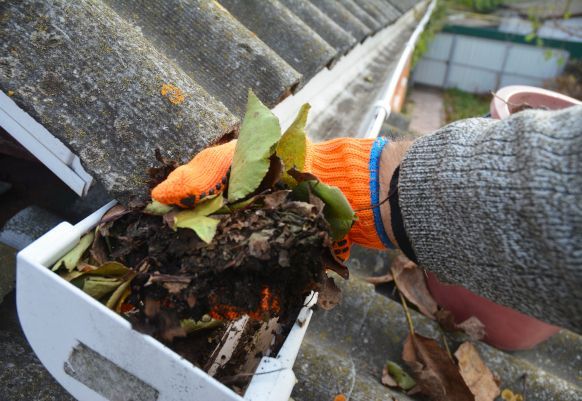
<point x="383" y="108"/>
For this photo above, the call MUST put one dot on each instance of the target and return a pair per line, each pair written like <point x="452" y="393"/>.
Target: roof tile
<point x="209" y="44"/>
<point x="285" y="33"/>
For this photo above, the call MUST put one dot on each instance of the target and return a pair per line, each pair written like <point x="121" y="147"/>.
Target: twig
<point x="444" y="338"/>
<point x="406" y="311"/>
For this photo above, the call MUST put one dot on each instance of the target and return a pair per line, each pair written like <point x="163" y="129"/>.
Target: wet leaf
<point x="259" y="132"/>
<point x="476" y="374"/>
<point x="293" y="144"/>
<point x="118" y="294"/>
<point x="190" y="326"/>
<point x="435" y="373"/>
<point x="110" y="269"/>
<point x="98" y="287"/>
<point x="157" y="208"/>
<point x="72" y="275"/>
<point x="196" y="219"/>
<point x="242" y="204"/>
<point x="337" y="210"/>
<point x="331" y="262"/>
<point x="99" y="249"/>
<point x="205" y="227"/>
<point x="259" y="245"/>
<point x="113" y="214"/>
<point x="275" y="199"/>
<point x="386" y="278"/>
<point x="300" y="176"/>
<point x="72" y="258"/>
<point x="394" y="376"/>
<point x="273" y="175"/>
<point x="329" y="295"/>
<point x="411" y="282"/>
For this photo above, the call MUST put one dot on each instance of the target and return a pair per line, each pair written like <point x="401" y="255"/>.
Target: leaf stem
<point x="406" y="311"/>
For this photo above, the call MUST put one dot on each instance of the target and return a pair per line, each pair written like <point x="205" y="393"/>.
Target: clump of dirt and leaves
<point x="255" y="250"/>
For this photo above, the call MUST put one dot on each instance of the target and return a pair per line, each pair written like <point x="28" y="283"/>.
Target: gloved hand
<point x="350" y="164"/>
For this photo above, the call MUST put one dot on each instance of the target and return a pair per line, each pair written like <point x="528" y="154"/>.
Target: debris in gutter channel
<point x="236" y="268"/>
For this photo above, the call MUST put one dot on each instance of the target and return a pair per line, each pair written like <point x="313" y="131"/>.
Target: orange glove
<point x="350" y="164"/>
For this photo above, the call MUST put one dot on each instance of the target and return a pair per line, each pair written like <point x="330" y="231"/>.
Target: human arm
<point x="496" y="206"/>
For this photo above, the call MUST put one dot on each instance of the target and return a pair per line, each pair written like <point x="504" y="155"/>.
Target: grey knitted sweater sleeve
<point x="496" y="206"/>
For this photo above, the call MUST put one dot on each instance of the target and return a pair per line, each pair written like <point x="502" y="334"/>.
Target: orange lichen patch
<point x="339" y="397"/>
<point x="174" y="94"/>
<point x="509" y="395"/>
<point x="268" y="306"/>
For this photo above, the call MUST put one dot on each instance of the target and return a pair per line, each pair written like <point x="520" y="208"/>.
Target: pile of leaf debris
<point x="257" y="249"/>
<point x="254" y="251"/>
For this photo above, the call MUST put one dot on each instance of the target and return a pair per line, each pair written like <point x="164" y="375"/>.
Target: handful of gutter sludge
<point x="257" y="249"/>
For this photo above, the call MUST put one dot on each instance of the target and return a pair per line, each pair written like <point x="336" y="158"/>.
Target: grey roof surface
<point x="346" y="348"/>
<point x="116" y="79"/>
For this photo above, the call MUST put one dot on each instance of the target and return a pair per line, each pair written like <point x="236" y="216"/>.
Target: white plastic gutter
<point x="383" y="108"/>
<point x="43" y="145"/>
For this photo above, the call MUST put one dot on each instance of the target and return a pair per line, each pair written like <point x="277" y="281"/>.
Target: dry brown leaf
<point x="473" y="327"/>
<point x="476" y="374"/>
<point x="275" y="199"/>
<point x="331" y="262"/>
<point x="114" y="213"/>
<point x="301" y="176"/>
<point x="98" y="249"/>
<point x="435" y="373"/>
<point x="329" y="295"/>
<point x="411" y="282"/>
<point x="174" y="287"/>
<point x="386" y="278"/>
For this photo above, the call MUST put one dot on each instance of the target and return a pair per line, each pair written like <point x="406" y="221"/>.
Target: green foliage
<point x="460" y="105"/>
<point x="434" y="26"/>
<point x="73" y="257"/>
<point x="196" y="219"/>
<point x="157" y="208"/>
<point x="337" y="211"/>
<point x="259" y="132"/>
<point x="292" y="145"/>
<point x="402" y="378"/>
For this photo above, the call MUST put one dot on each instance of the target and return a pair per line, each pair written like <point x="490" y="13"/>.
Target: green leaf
<point x="530" y="36"/>
<point x="157" y="208"/>
<point x="204" y="226"/>
<point x="259" y="132"/>
<point x="72" y="275"/>
<point x="337" y="210"/>
<point x="191" y="326"/>
<point x="110" y="269"/>
<point x="292" y="145"/>
<point x="116" y="296"/>
<point x="72" y="258"/>
<point x="242" y="204"/>
<point x="402" y="378"/>
<point x="196" y="219"/>
<point x="98" y="287"/>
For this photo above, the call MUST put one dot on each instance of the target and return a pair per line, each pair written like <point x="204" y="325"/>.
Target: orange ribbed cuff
<point x="344" y="163"/>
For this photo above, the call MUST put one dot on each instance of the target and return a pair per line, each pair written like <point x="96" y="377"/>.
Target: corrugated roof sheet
<point x="345" y="349"/>
<point x="116" y="79"/>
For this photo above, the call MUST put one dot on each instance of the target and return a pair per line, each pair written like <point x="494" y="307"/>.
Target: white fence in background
<point x="480" y="65"/>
